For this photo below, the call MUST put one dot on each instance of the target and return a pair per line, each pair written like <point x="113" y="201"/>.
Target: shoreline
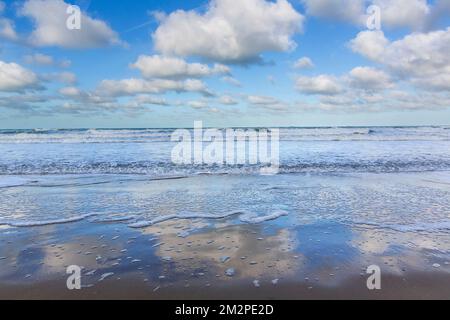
<point x="311" y="252"/>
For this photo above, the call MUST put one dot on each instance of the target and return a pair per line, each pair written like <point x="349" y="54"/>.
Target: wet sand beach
<point x="333" y="229"/>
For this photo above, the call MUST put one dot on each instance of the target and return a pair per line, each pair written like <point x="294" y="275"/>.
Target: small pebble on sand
<point x="230" y="272"/>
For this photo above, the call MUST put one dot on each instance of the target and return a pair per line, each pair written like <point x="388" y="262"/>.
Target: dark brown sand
<point x="410" y="286"/>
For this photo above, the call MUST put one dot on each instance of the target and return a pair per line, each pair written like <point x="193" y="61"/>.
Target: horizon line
<point x="234" y="127"/>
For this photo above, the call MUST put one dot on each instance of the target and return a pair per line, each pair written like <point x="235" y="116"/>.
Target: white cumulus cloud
<point x="267" y="102"/>
<point x="15" y="78"/>
<point x="422" y="58"/>
<point x="303" y="63"/>
<point x="369" y="78"/>
<point x="7" y="28"/>
<point x="351" y="11"/>
<point x="49" y="17"/>
<point x="230" y="31"/>
<point x="413" y="14"/>
<point x="322" y="84"/>
<point x="371" y="44"/>
<point x="233" y="81"/>
<point x="404" y="13"/>
<point x="39" y="58"/>
<point x="129" y="87"/>
<point x="227" y="100"/>
<point x="63" y="77"/>
<point x="157" y="66"/>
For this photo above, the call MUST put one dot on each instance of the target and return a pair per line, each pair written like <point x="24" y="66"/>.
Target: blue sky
<point x="227" y="63"/>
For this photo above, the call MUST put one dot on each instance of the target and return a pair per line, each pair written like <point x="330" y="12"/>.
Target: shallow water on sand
<point x="332" y="228"/>
<point x="399" y="201"/>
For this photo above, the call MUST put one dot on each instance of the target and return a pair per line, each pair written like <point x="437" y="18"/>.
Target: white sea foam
<point x="255" y="218"/>
<point x="47" y="222"/>
<point x="147" y="152"/>
<point x="287" y="134"/>
<point x="244" y="216"/>
<point x="115" y="219"/>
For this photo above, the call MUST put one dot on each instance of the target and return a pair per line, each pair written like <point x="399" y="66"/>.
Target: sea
<point x="392" y="177"/>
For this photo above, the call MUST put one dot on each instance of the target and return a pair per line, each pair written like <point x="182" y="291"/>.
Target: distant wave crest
<point x="158" y="135"/>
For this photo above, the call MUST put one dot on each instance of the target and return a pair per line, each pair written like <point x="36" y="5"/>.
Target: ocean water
<point x="148" y="151"/>
<point x="392" y="177"/>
